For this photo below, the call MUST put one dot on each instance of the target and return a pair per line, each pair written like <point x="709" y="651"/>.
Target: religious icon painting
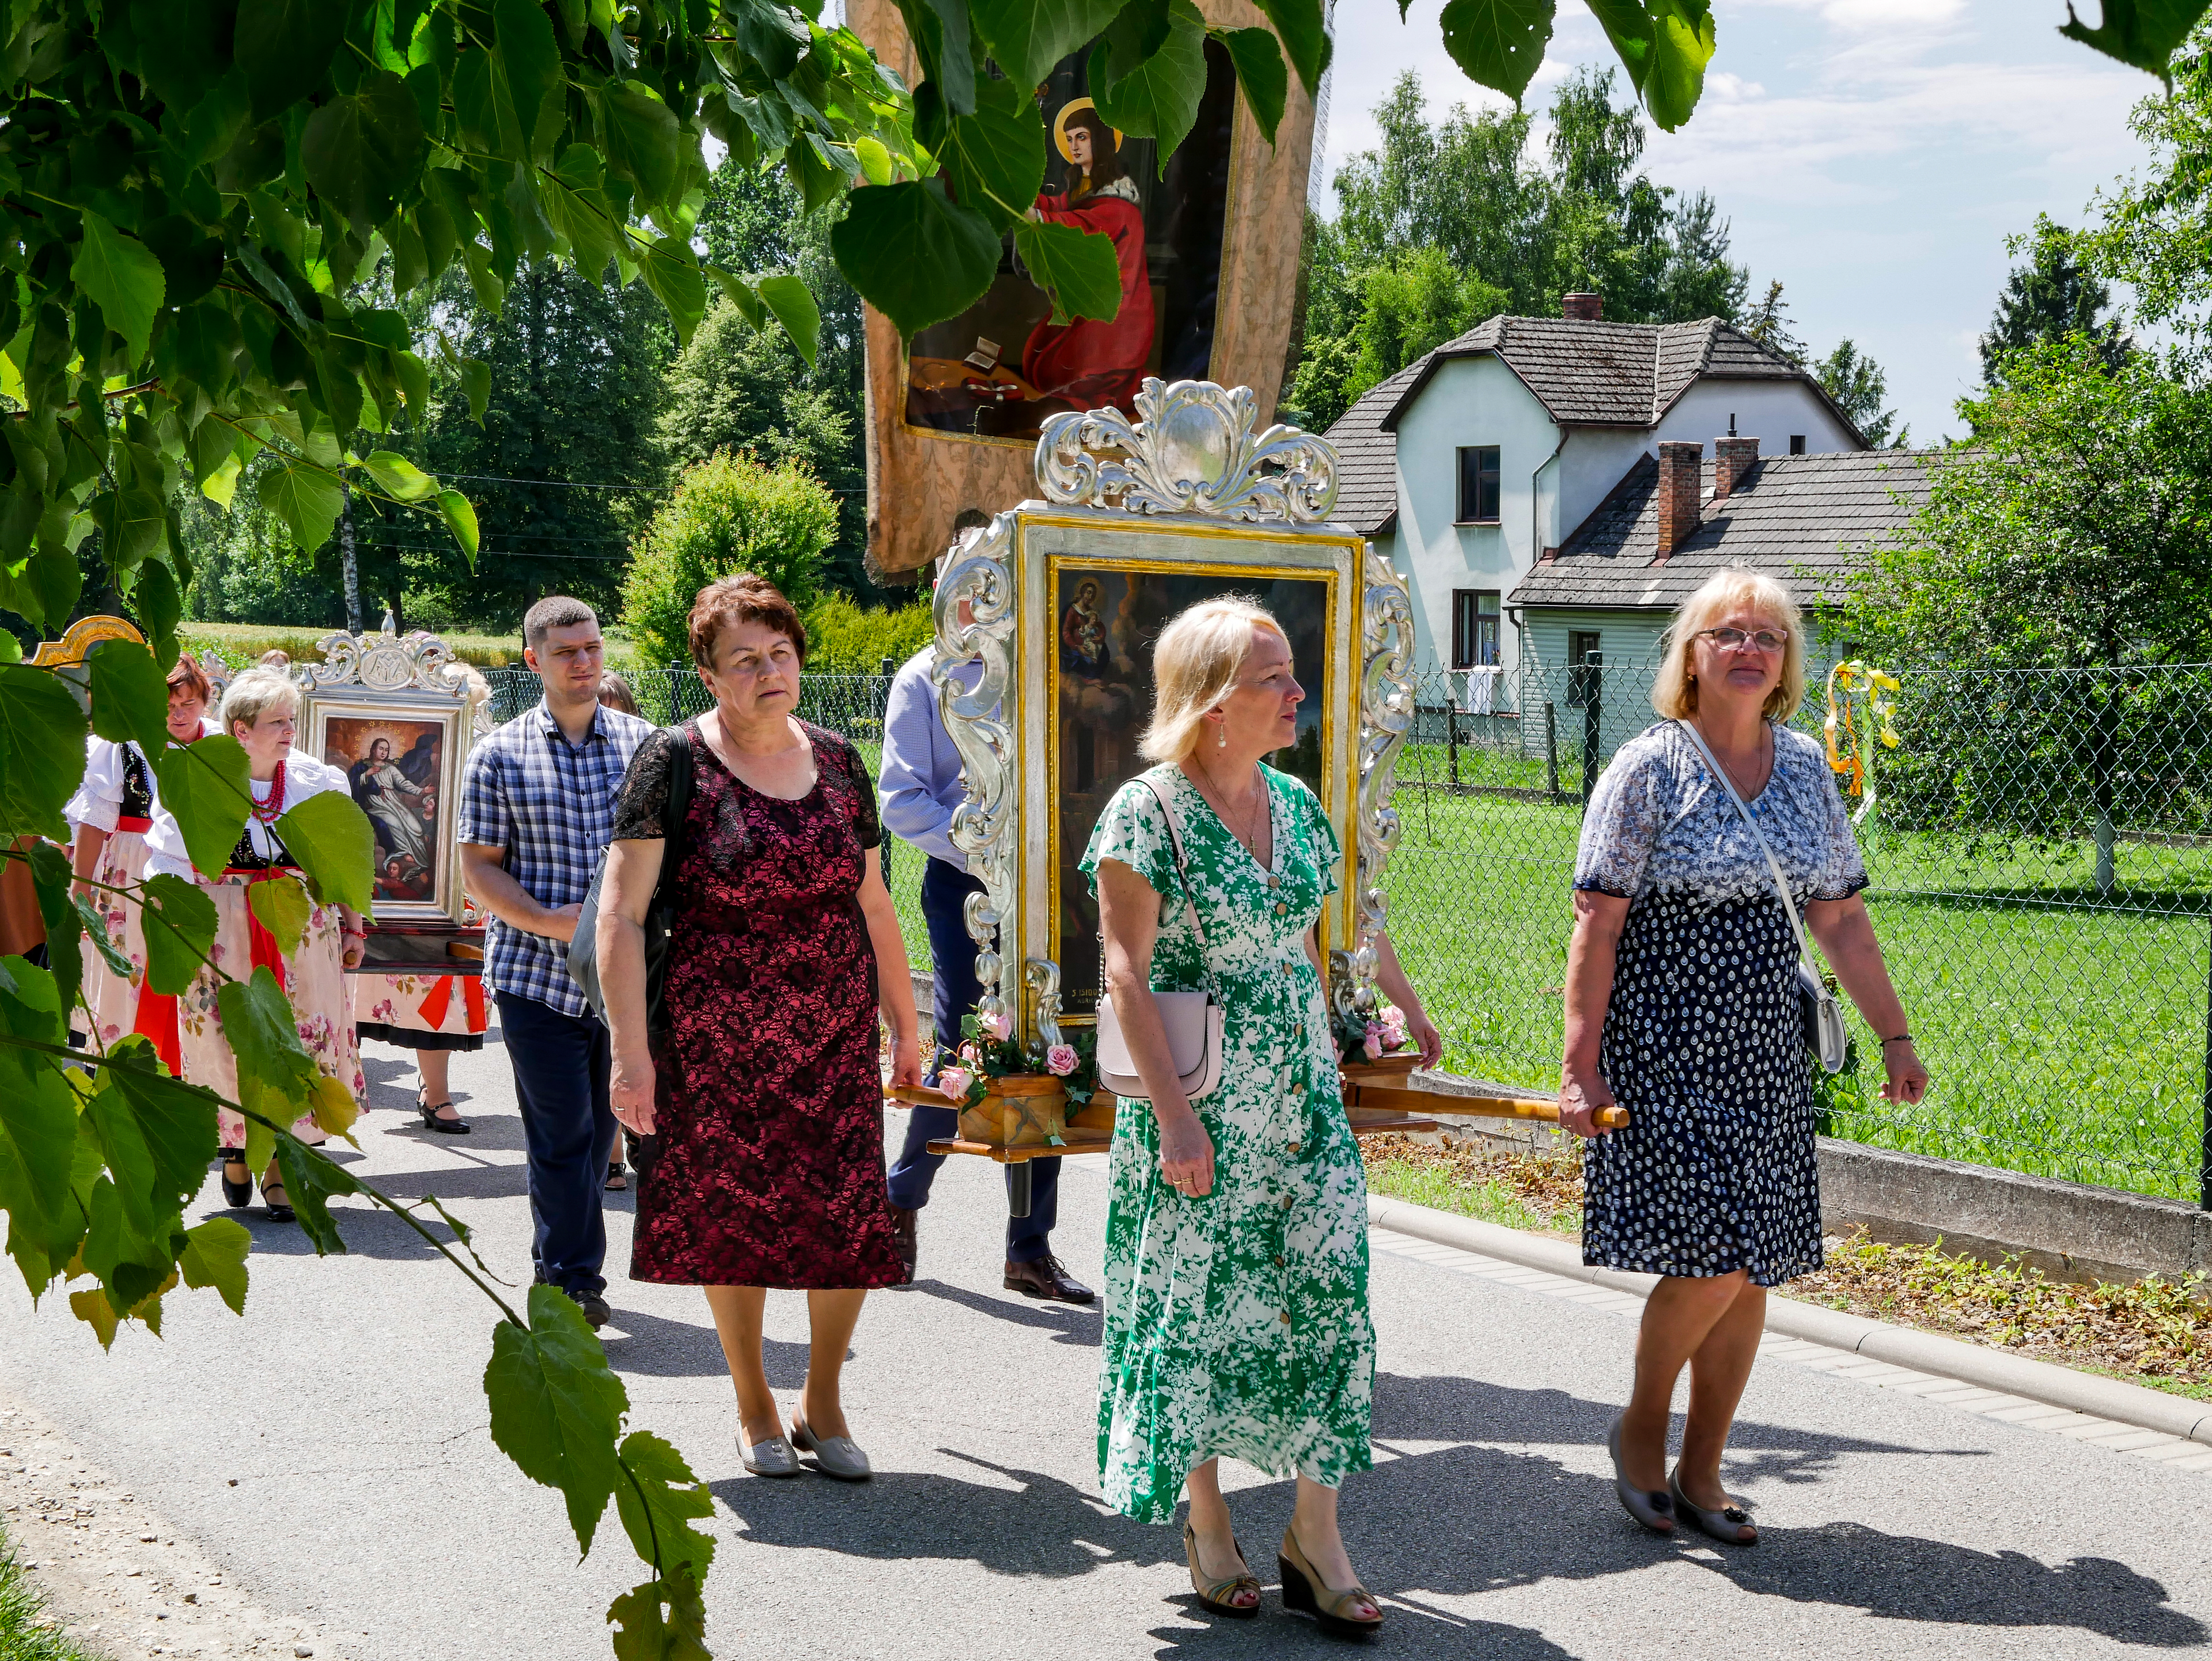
<point x="1001" y="366"/>
<point x="384" y="711"/>
<point x="1206" y="240"/>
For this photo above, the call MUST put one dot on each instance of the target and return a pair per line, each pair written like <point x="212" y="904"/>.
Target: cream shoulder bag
<point x="1193" y="1020"/>
<point x="1824" y="1018"/>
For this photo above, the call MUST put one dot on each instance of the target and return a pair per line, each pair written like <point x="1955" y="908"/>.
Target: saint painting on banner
<point x="1004" y="365"/>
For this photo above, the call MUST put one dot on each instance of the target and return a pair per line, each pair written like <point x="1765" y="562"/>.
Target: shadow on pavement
<point x="653" y="1346"/>
<point x="1069" y="1324"/>
<point x="1459" y="1521"/>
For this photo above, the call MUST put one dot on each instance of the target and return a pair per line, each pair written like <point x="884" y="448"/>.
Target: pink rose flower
<point x="1372" y="1043"/>
<point x="1000" y="1026"/>
<point x="954" y="1081"/>
<point x="1059" y="1060"/>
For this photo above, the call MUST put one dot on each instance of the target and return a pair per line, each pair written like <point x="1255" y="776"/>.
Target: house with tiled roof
<point x="1514" y="477"/>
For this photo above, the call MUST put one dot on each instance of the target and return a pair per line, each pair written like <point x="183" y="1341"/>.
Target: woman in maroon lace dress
<point x="761" y="1090"/>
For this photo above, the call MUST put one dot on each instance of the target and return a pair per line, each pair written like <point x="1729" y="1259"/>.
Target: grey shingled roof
<point x="1609" y="375"/>
<point x="1598" y="375"/>
<point x="1804" y="520"/>
<point x="1367" y="457"/>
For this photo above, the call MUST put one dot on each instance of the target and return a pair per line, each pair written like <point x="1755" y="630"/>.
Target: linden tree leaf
<point x="401" y="476"/>
<point x="214" y="1255"/>
<point x="178" y="922"/>
<point x="996" y="157"/>
<point x="307" y="499"/>
<point x="330" y="837"/>
<point x="42" y="733"/>
<point x="130" y="694"/>
<point x="203" y="787"/>
<point x="1499" y="42"/>
<point x="557" y="1406"/>
<point x="311" y="1178"/>
<point x="121" y="277"/>
<point x="659" y="1502"/>
<point x="1077" y="268"/>
<point x="792" y="303"/>
<point x="1260" y="72"/>
<point x="914" y="256"/>
<point x="1153" y="94"/>
<point x="282" y="906"/>
<point x="1027" y="38"/>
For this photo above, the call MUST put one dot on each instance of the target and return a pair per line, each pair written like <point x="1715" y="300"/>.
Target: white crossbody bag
<point x="1193" y="1020"/>
<point x="1824" y="1018"/>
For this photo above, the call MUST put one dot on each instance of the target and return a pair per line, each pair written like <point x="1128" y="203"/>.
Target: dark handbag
<point x="583" y="945"/>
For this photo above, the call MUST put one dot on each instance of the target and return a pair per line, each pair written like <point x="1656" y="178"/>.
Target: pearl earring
<point x="1221" y="736"/>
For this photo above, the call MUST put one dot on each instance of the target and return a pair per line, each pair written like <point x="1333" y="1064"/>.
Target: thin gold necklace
<point x="1217" y="799"/>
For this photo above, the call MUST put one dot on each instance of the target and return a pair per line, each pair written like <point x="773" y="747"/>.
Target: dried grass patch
<point x="2155" y="1332"/>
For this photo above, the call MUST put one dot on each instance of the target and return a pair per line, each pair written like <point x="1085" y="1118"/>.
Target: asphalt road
<point x="370" y="1504"/>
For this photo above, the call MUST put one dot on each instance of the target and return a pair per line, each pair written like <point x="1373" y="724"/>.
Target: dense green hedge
<point x="844" y="638"/>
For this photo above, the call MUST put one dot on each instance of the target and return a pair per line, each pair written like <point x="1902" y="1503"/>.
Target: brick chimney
<point x="1582" y="307"/>
<point x="1680" y="492"/>
<point x="1732" y="460"/>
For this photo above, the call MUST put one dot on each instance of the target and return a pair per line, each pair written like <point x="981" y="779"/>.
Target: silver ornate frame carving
<point x="1193" y="460"/>
<point x="410" y="676"/>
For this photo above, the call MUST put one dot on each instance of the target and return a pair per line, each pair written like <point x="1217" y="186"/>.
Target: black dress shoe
<point x="1044" y="1278"/>
<point x="905" y="1235"/>
<point x="596" y="1312"/>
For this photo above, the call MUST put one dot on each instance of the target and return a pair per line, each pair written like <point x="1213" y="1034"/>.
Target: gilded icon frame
<point x="1189" y="492"/>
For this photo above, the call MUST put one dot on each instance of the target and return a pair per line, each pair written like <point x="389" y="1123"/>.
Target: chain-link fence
<point x="850" y="704"/>
<point x="2040" y="849"/>
<point x="2041" y="854"/>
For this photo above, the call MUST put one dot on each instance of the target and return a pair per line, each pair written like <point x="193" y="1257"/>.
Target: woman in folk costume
<point x="1088" y="363"/>
<point x="433" y="1015"/>
<point x="261" y="711"/>
<point x="112" y="813"/>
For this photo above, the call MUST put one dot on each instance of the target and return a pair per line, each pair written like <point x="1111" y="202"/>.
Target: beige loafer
<point x="771" y="1457"/>
<point x="834" y="1456"/>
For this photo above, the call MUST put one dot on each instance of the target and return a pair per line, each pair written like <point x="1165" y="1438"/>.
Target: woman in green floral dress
<point x="1235" y="1318"/>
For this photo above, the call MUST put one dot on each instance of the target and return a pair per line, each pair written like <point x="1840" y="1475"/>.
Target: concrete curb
<point x="1924" y="1351"/>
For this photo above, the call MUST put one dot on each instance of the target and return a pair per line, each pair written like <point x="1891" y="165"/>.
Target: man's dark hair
<point x="554" y="612"/>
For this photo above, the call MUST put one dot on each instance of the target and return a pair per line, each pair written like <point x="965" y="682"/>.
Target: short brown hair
<point x="554" y="612"/>
<point x="188" y="678"/>
<point x="615" y="693"/>
<point x="741" y="598"/>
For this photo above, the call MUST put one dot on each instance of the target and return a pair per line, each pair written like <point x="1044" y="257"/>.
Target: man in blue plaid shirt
<point x="538" y="804"/>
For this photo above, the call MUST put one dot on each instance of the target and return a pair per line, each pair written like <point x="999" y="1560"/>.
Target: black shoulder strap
<point x="673" y="813"/>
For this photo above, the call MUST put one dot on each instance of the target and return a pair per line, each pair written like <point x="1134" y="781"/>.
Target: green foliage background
<point x="730" y="514"/>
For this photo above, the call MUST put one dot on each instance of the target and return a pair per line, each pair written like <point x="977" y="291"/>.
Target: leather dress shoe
<point x="905" y="1235"/>
<point x="594" y="1307"/>
<point x="1045" y="1278"/>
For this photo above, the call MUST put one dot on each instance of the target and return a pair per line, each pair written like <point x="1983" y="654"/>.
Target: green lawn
<point x="2066" y="1035"/>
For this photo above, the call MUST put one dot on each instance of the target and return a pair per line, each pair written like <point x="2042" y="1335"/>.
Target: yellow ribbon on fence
<point x="1860" y="701"/>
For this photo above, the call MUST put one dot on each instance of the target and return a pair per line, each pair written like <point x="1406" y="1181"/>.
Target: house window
<point x="1477" y="484"/>
<point x="1797" y="444"/>
<point x="1584" y="658"/>
<point x="1475" y="628"/>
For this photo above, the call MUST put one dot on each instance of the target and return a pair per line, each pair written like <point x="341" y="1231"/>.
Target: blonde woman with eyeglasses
<point x="1236" y="1309"/>
<point x="1683" y="1007"/>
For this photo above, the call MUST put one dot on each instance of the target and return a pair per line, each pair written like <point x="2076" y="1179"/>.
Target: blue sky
<point x="1873" y="154"/>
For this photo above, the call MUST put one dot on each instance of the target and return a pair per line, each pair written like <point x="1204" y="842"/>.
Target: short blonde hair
<point x="1199" y="655"/>
<point x="1675" y="689"/>
<point x="256" y="692"/>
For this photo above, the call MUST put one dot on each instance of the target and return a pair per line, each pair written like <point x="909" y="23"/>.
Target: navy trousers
<point x="562" y="1064"/>
<point x="944" y="890"/>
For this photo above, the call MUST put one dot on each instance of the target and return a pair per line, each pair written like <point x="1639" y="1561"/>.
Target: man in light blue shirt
<point x="920" y="785"/>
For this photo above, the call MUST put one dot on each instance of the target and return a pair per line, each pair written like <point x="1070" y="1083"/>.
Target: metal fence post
<point x="1451" y="736"/>
<point x="2204" y="1146"/>
<point x="1551" y="750"/>
<point x="1593" y="706"/>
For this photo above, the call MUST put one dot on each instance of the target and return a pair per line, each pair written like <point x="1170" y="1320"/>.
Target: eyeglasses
<point x="1734" y="639"/>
